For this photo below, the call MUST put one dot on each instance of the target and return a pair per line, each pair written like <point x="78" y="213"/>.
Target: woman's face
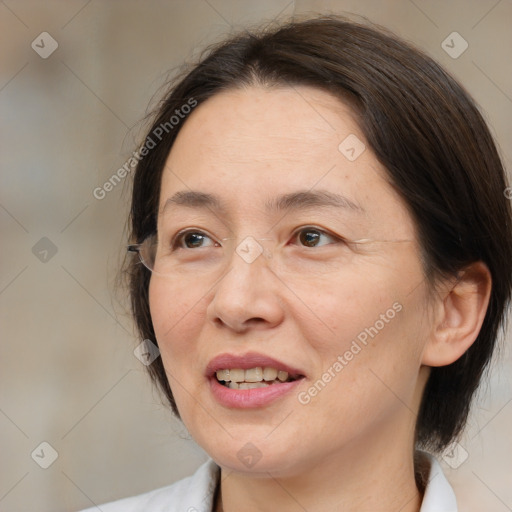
<point x="347" y="320"/>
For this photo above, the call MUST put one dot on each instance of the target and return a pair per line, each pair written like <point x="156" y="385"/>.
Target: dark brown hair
<point x="422" y="126"/>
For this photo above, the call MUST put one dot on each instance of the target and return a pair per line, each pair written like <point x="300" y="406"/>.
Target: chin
<point x="255" y="458"/>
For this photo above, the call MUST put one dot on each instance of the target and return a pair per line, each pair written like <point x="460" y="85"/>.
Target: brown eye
<point x="191" y="240"/>
<point x="311" y="237"/>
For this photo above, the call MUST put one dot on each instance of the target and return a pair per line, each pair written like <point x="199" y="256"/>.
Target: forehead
<point x="269" y="122"/>
<point x="250" y="145"/>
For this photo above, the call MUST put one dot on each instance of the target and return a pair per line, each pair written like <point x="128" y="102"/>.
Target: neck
<point x="375" y="475"/>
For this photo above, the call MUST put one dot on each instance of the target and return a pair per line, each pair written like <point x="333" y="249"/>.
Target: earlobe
<point x="460" y="312"/>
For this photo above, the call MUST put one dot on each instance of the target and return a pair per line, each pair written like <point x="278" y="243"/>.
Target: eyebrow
<point x="299" y="200"/>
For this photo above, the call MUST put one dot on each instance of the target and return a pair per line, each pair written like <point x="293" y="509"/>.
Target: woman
<point x="321" y="216"/>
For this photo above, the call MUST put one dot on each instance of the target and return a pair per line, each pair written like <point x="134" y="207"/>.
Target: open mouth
<point x="252" y="378"/>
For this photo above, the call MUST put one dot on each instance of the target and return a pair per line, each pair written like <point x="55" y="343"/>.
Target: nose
<point x="248" y="296"/>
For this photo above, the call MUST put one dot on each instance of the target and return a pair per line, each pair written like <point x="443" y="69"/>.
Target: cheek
<point x="368" y="375"/>
<point x="335" y="309"/>
<point x="382" y="357"/>
<point x="177" y="315"/>
<point x="366" y="326"/>
<point x="177" y="318"/>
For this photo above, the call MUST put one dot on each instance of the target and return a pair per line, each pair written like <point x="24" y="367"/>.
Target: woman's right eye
<point x="192" y="239"/>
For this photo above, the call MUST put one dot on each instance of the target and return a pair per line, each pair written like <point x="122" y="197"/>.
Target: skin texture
<point x="302" y="305"/>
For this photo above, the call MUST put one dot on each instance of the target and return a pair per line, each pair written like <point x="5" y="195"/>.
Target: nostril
<point x="257" y="320"/>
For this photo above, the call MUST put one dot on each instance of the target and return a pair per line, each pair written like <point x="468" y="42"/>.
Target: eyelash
<point x="180" y="236"/>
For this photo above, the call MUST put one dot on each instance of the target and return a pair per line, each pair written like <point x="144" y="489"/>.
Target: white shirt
<point x="195" y="494"/>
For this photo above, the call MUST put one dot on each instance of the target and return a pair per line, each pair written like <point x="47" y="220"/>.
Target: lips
<point x="226" y="371"/>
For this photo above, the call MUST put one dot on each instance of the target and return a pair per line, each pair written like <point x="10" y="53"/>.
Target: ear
<point x="459" y="313"/>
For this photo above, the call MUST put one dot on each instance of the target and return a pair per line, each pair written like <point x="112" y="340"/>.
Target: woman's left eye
<point x="192" y="240"/>
<point x="312" y="237"/>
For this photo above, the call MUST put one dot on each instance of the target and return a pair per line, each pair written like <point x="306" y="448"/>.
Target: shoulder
<point x="439" y="495"/>
<point x="192" y="494"/>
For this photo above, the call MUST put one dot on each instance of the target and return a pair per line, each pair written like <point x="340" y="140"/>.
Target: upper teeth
<point x="257" y="374"/>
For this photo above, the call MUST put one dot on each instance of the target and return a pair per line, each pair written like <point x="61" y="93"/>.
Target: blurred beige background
<point x="68" y="122"/>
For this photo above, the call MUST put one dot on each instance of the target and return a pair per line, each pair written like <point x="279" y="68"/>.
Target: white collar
<point x="439" y="495"/>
